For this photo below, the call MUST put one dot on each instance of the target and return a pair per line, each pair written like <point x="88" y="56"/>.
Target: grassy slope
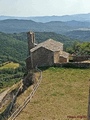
<point x="62" y="93"/>
<point x="10" y="65"/>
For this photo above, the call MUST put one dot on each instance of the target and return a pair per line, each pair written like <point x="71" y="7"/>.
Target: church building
<point x="46" y="53"/>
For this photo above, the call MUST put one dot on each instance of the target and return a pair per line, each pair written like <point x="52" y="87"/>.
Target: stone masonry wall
<point x="80" y="58"/>
<point x="73" y="65"/>
<point x="42" y="57"/>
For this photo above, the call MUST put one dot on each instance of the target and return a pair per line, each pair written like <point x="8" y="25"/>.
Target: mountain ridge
<point x="17" y="26"/>
<point x="77" y="17"/>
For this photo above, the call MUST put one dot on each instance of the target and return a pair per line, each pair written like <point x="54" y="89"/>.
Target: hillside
<point x="62" y="93"/>
<point x="14" y="46"/>
<point x="11" y="48"/>
<point x="83" y="35"/>
<point x="17" y="26"/>
<point x="10" y="65"/>
<point x="10" y="74"/>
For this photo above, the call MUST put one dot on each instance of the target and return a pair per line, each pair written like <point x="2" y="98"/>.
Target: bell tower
<point x="31" y="41"/>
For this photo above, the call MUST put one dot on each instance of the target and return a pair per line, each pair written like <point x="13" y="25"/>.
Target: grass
<point x="23" y="96"/>
<point x="62" y="93"/>
<point x="10" y="65"/>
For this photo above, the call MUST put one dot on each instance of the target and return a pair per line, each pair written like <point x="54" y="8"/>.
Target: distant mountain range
<point x="17" y="26"/>
<point x="76" y="17"/>
<point x="74" y="26"/>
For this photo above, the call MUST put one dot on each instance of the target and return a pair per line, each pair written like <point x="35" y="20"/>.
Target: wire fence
<point x="4" y="115"/>
<point x="27" y="100"/>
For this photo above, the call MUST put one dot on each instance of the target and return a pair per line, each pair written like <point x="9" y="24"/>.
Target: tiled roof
<point x="64" y="54"/>
<point x="49" y="44"/>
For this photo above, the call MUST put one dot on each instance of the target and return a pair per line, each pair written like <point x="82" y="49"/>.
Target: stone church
<point x="46" y="53"/>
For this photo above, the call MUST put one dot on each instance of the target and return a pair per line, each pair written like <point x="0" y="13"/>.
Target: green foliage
<point x="11" y="73"/>
<point x="10" y="76"/>
<point x="83" y="35"/>
<point x="11" y="48"/>
<point x="80" y="48"/>
<point x="42" y="36"/>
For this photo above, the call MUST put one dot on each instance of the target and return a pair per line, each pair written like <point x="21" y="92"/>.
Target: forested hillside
<point x="14" y="46"/>
<point x="83" y="35"/>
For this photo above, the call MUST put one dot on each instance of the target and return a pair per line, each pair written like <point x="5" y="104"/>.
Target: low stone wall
<point x="73" y="65"/>
<point x="80" y="58"/>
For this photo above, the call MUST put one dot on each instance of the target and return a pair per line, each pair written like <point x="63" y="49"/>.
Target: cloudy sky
<point x="43" y="7"/>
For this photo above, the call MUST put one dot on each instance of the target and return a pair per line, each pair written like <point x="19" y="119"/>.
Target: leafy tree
<point x="80" y="48"/>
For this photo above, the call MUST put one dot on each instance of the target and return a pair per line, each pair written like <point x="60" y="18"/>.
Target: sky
<point x="26" y="8"/>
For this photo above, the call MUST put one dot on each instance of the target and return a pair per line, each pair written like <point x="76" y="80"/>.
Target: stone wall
<point x="80" y="58"/>
<point x="42" y="57"/>
<point x="56" y="57"/>
<point x="73" y="65"/>
<point x="28" y="63"/>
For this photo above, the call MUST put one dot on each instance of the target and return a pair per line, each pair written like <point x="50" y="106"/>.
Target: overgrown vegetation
<point x="10" y="73"/>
